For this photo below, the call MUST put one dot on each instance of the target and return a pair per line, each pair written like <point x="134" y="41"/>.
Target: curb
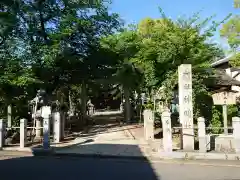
<point x="217" y="163"/>
<point x="200" y="156"/>
<point x="15" y="153"/>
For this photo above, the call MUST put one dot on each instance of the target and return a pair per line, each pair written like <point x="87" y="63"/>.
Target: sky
<point x="132" y="11"/>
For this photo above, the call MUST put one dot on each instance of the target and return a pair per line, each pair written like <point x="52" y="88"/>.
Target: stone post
<point x="186" y="105"/>
<point x="91" y="109"/>
<point x="39" y="130"/>
<point x="236" y="134"/>
<point x="225" y="117"/>
<point x="2" y="133"/>
<point x="63" y="119"/>
<point x="202" y="135"/>
<point x="23" y="133"/>
<point x="121" y="107"/>
<point x="9" y="116"/>
<point x="167" y="131"/>
<point x="148" y="124"/>
<point x="46" y="112"/>
<point x="57" y="127"/>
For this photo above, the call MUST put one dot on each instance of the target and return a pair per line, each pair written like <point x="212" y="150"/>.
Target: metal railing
<point x="218" y="130"/>
<point x="18" y="127"/>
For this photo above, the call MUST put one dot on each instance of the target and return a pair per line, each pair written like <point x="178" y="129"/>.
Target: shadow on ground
<point x="86" y="167"/>
<point x="91" y="148"/>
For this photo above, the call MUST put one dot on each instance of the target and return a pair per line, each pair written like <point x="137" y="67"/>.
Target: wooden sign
<point x="224" y="98"/>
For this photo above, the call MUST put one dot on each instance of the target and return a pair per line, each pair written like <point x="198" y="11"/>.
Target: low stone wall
<point x="224" y="143"/>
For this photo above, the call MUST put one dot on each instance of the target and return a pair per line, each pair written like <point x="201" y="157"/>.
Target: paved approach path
<point x="48" y="168"/>
<point x="109" y="140"/>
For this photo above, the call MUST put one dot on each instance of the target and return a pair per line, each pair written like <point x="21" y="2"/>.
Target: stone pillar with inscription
<point x="148" y="124"/>
<point x="202" y="135"/>
<point x="56" y="117"/>
<point x="167" y="131"/>
<point x="186" y="105"/>
<point x="46" y="111"/>
<point x="23" y="133"/>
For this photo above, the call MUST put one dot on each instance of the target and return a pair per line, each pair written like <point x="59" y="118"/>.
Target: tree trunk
<point x="127" y="105"/>
<point x="83" y="97"/>
<point x="71" y="105"/>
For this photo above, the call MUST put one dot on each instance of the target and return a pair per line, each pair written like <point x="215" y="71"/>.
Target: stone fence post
<point x="9" y="116"/>
<point x="57" y="127"/>
<point x="90" y="109"/>
<point x="46" y="111"/>
<point x="202" y="135"/>
<point x="23" y="133"/>
<point x="148" y="124"/>
<point x="236" y="134"/>
<point x="167" y="131"/>
<point x="121" y="108"/>
<point x="63" y="119"/>
<point x="2" y="133"/>
<point x="39" y="121"/>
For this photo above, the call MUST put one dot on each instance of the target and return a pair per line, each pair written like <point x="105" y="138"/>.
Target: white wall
<point x="232" y="74"/>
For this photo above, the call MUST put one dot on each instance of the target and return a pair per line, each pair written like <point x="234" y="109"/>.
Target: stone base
<point x="224" y="143"/>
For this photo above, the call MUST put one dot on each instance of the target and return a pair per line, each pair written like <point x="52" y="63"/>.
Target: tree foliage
<point x="170" y="44"/>
<point x="230" y="31"/>
<point x="52" y="44"/>
<point x="159" y="46"/>
<point x="71" y="47"/>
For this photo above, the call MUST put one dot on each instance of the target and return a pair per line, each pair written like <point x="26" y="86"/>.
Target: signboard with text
<point x="224" y="98"/>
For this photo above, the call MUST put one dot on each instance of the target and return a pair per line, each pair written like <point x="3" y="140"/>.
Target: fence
<point x="200" y="137"/>
<point x="12" y="135"/>
<point x="27" y="135"/>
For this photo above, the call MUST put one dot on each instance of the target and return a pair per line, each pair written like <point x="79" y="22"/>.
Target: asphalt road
<point x="66" y="168"/>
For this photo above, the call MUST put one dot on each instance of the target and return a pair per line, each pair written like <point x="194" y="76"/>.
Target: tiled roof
<point x="221" y="78"/>
<point x="221" y="61"/>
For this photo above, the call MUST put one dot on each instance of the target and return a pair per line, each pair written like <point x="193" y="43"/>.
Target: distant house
<point x="222" y="63"/>
<point x="230" y="75"/>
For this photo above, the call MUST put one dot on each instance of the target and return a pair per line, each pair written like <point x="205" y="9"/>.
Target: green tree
<point x="236" y="3"/>
<point x="231" y="31"/>
<point x="58" y="44"/>
<point x="79" y="57"/>
<point x="166" y="44"/>
<point x="128" y="76"/>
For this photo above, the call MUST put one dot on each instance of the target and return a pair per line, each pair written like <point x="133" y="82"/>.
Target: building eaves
<point x="221" y="61"/>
